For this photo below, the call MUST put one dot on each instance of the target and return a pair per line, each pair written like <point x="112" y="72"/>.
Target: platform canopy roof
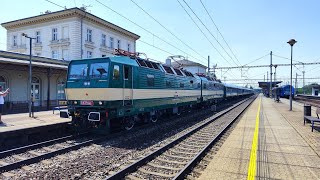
<point x="265" y="85"/>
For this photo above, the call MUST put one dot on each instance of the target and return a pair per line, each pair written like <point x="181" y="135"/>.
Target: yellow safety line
<point x="253" y="155"/>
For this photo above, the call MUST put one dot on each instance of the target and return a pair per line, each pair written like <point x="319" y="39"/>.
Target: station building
<point x="59" y="37"/>
<point x="191" y="66"/>
<point x="68" y="34"/>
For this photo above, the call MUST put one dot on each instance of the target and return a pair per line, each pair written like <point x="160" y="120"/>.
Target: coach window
<point x="205" y="86"/>
<point x="116" y="70"/>
<point x="126" y="72"/>
<point x="150" y="80"/>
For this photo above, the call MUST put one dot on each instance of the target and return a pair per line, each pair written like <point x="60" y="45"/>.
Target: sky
<point x="251" y="28"/>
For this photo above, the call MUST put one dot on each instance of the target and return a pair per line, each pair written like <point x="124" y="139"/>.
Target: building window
<point x="60" y="89"/>
<point x="65" y="54"/>
<point x="54" y="34"/>
<point x="3" y="83"/>
<point x="89" y="54"/>
<point x="38" y="37"/>
<point x="55" y="54"/>
<point x="89" y="35"/>
<point x="38" y="54"/>
<point x="103" y="40"/>
<point x="118" y="44"/>
<point x="35" y="88"/>
<point x="111" y="43"/>
<point x="65" y="32"/>
<point x="129" y="47"/>
<point x="150" y="80"/>
<point x="15" y="39"/>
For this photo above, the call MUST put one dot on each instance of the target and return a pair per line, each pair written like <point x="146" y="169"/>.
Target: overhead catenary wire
<point x="256" y="59"/>
<point x="64" y="7"/>
<point x="156" y="47"/>
<point x="204" y="33"/>
<point x="219" y="31"/>
<point x="209" y="32"/>
<point x="160" y="38"/>
<point x="167" y="29"/>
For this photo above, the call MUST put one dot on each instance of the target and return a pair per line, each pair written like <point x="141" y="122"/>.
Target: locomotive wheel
<point x="179" y="111"/>
<point x="154" y="117"/>
<point x="128" y="123"/>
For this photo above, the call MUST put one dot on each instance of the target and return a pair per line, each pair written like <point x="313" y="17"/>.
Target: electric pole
<point x="271" y="74"/>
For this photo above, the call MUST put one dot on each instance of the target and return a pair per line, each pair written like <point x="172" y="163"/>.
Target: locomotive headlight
<point x="100" y="102"/>
<point x="75" y="102"/>
<point x="85" y="83"/>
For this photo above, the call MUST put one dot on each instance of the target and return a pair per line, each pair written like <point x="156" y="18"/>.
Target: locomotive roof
<point x="117" y="59"/>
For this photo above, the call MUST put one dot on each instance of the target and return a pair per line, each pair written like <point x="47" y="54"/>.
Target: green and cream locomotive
<point x="121" y="90"/>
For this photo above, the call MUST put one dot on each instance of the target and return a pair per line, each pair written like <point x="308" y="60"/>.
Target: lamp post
<point x="30" y="73"/>
<point x="291" y="42"/>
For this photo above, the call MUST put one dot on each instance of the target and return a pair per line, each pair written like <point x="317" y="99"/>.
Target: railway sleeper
<point x="145" y="171"/>
<point x="180" y="152"/>
<point x="170" y="161"/>
<point x="163" y="167"/>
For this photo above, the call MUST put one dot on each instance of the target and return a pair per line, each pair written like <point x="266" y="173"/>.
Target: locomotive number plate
<point x="87" y="103"/>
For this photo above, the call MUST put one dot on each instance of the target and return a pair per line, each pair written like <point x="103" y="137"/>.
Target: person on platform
<point x="2" y="95"/>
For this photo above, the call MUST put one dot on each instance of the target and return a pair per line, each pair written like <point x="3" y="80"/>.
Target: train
<point x="283" y="91"/>
<point x="121" y="90"/>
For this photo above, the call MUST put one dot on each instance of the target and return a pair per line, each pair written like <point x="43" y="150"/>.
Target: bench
<point x="312" y="119"/>
<point x="62" y="104"/>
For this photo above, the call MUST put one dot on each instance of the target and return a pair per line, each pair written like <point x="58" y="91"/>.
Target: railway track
<point x="177" y="158"/>
<point x="22" y="156"/>
<point x="312" y="100"/>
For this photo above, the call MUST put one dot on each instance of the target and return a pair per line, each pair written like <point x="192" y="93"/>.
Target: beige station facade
<point x="59" y="37"/>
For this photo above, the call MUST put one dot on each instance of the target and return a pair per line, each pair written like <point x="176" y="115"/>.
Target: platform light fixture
<point x="291" y="42"/>
<point x="30" y="73"/>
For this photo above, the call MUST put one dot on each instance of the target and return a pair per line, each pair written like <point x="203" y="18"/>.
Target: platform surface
<point x="23" y="121"/>
<point x="286" y="149"/>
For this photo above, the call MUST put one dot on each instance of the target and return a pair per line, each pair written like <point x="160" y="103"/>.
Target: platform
<point x="271" y="143"/>
<point x="13" y="122"/>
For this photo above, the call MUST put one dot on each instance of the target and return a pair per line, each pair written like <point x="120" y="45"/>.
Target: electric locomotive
<point x="123" y="89"/>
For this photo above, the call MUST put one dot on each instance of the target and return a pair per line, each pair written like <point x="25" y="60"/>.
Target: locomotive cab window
<point x="99" y="70"/>
<point x="150" y="80"/>
<point x="78" y="71"/>
<point x="116" y="72"/>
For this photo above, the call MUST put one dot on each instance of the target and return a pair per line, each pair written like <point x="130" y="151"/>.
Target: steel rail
<point x="188" y="168"/>
<point x="38" y="158"/>
<point x="134" y="166"/>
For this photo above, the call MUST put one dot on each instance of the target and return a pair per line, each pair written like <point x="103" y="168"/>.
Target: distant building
<point x="190" y="66"/>
<point x="68" y="34"/>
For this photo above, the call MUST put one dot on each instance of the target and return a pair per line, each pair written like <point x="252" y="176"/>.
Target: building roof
<point x="186" y="62"/>
<point x="265" y="85"/>
<point x="23" y="59"/>
<point x="67" y="13"/>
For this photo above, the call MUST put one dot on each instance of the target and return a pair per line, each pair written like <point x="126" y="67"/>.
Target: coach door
<point x="127" y="85"/>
